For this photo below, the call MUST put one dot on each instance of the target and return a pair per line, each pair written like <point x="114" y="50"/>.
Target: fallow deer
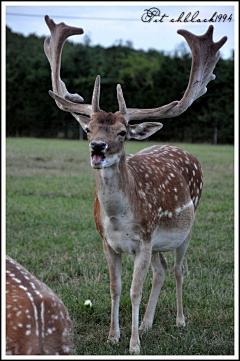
<point x="37" y="322"/>
<point x="145" y="203"/>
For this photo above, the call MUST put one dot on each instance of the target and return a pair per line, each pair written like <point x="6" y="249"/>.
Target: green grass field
<point x="50" y="230"/>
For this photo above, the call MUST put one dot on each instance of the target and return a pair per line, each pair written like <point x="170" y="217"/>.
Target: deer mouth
<point x="97" y="157"/>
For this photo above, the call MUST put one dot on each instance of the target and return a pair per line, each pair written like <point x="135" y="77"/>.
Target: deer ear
<point x="83" y="121"/>
<point x="143" y="130"/>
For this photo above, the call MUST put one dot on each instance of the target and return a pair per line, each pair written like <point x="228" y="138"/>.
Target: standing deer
<point x="144" y="204"/>
<point x="37" y="322"/>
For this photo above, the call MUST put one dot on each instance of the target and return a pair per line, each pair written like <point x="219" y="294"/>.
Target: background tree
<point x="149" y="79"/>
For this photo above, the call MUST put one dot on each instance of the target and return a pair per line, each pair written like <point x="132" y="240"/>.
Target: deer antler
<point x="53" y="49"/>
<point x="205" y="55"/>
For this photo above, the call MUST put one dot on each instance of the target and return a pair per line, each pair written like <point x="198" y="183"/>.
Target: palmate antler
<point x="53" y="49"/>
<point x="205" y="55"/>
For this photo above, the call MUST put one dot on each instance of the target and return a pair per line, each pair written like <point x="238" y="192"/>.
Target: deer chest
<point x="121" y="236"/>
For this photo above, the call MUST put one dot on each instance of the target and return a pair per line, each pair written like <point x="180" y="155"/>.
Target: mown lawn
<point x="50" y="230"/>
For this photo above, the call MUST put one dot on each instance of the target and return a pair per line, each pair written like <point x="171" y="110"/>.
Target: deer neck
<point x="113" y="185"/>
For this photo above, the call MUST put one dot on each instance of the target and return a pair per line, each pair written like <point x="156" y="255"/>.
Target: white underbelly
<point x="125" y="241"/>
<point x="164" y="240"/>
<point x="124" y="238"/>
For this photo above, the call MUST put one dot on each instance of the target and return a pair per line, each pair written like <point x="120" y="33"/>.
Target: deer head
<point x="107" y="132"/>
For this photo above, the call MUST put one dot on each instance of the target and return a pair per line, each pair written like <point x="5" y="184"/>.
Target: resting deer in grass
<point x="37" y="322"/>
<point x="145" y="203"/>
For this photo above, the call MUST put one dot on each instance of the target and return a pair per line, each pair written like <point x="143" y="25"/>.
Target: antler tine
<point x="121" y="101"/>
<point x="96" y="95"/>
<point x="53" y="49"/>
<point x="205" y="55"/>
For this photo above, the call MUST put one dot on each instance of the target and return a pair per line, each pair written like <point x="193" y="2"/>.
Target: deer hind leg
<point x="178" y="267"/>
<point x="115" y="266"/>
<point x="159" y="267"/>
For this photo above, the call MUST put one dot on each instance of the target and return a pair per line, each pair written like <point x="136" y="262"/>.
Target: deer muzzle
<point x="98" y="150"/>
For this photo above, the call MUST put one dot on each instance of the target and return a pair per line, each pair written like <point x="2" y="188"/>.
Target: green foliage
<point x="149" y="79"/>
<point x="50" y="231"/>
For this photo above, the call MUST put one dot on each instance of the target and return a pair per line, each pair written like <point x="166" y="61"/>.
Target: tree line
<point x="149" y="79"/>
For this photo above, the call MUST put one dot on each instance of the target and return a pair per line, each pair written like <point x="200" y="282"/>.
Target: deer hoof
<point x="180" y="322"/>
<point x="113" y="339"/>
<point x="134" y="348"/>
<point x="145" y="327"/>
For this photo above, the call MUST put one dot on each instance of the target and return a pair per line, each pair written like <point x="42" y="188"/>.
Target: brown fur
<point x="37" y="322"/>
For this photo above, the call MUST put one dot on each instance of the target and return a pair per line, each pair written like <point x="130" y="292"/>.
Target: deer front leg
<point x="141" y="265"/>
<point x="115" y="266"/>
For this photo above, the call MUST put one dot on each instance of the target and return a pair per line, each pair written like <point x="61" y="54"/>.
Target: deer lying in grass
<point x="144" y="204"/>
<point x="37" y="322"/>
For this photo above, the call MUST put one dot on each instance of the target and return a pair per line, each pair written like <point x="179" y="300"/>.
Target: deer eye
<point x="122" y="133"/>
<point x="88" y="130"/>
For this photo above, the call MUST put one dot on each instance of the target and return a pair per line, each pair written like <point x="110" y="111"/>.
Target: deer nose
<point x="98" y="146"/>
